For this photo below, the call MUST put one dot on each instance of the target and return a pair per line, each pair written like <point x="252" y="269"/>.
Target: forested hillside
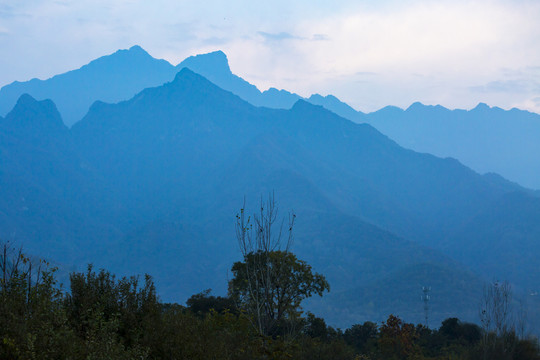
<point x="152" y="185"/>
<point x="102" y="316"/>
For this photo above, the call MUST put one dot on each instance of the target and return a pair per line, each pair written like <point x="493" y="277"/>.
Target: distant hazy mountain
<point x="400" y="292"/>
<point x="152" y="184"/>
<point x="485" y="139"/>
<point x="110" y="78"/>
<point x="374" y="172"/>
<point x="49" y="199"/>
<point x="488" y="139"/>
<point x="121" y="75"/>
<point x="215" y="67"/>
<point x="335" y="105"/>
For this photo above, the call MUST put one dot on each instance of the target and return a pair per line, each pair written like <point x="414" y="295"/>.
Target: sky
<point x="367" y="53"/>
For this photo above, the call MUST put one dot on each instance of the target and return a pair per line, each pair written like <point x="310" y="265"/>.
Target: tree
<point x="112" y="316"/>
<point x="270" y="283"/>
<point x="496" y="309"/>
<point x="397" y="339"/>
<point x="32" y="320"/>
<point x="362" y="337"/>
<point x="454" y="330"/>
<point x="496" y="315"/>
<point x="271" y="286"/>
<point x="203" y="303"/>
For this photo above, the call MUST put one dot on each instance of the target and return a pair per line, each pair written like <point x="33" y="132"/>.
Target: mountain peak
<point x="417" y="105"/>
<point x="205" y="63"/>
<point x="186" y="74"/>
<point x="187" y="84"/>
<point x="25" y="100"/>
<point x="303" y="105"/>
<point x="389" y="110"/>
<point x="134" y="56"/>
<point x="335" y="105"/>
<point x="482" y="106"/>
<point x="137" y="48"/>
<point x="36" y="114"/>
<point x="217" y="54"/>
<point x="275" y="91"/>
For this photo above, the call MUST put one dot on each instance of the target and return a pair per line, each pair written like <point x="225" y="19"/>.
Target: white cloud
<point x="435" y="52"/>
<point x="429" y="51"/>
<point x="277" y="36"/>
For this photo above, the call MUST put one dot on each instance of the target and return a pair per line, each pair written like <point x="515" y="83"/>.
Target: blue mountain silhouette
<point x="152" y="184"/>
<point x="486" y="139"/>
<point x="110" y="78"/>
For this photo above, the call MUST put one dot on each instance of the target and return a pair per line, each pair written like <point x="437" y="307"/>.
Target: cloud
<point x="435" y="52"/>
<point x="277" y="36"/>
<point x="532" y="104"/>
<point x="453" y="52"/>
<point x="428" y="36"/>
<point x="320" y="37"/>
<point x="215" y="40"/>
<point x="11" y="12"/>
<point x="181" y="31"/>
<point x="509" y="86"/>
<point x="365" y="73"/>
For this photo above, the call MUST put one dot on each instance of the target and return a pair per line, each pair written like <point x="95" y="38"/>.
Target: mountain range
<point x="487" y="139"/>
<point x="152" y="184"/>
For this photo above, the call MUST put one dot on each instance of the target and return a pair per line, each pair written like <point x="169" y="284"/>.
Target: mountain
<point x="335" y="105"/>
<point x="110" y="78"/>
<point x="400" y="293"/>
<point x="155" y="181"/>
<point x="487" y="139"/>
<point x="215" y="67"/>
<point x="46" y="192"/>
<point x="121" y="75"/>
<point x="501" y="241"/>
<point x="374" y="171"/>
<point x="231" y="149"/>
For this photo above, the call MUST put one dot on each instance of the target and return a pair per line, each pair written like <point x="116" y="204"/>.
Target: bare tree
<point x="257" y="233"/>
<point x="257" y="238"/>
<point x="271" y="282"/>
<point x="521" y="320"/>
<point x="17" y="267"/>
<point x="496" y="315"/>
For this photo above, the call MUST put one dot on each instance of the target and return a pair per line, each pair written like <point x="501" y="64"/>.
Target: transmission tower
<point x="425" y="299"/>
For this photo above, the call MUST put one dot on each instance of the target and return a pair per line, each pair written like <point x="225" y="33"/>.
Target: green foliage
<point x="316" y="327"/>
<point x="32" y="318"/>
<point x="527" y="349"/>
<point x="202" y="303"/>
<point x="112" y="316"/>
<point x="397" y="340"/>
<point x="456" y="331"/>
<point x="103" y="317"/>
<point x="271" y="285"/>
<point x="362" y="337"/>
